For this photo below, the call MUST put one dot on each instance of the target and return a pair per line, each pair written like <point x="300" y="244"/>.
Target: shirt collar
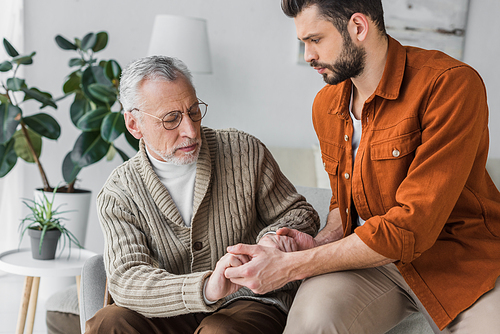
<point x="390" y="84"/>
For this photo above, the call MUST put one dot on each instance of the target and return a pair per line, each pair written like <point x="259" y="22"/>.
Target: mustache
<point x="315" y="63"/>
<point x="189" y="142"/>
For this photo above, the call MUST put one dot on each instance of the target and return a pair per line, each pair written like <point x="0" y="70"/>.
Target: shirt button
<point x="347" y="176"/>
<point x="346" y="138"/>
<point x="395" y="153"/>
<point x="197" y="246"/>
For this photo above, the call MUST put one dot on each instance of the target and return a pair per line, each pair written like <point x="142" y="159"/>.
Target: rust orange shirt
<point x="419" y="178"/>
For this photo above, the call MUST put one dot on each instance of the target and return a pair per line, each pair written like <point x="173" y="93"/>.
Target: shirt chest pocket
<point x="395" y="148"/>
<point x="391" y="159"/>
<point x="331" y="166"/>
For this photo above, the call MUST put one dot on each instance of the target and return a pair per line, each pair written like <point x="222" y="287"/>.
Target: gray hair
<point x="148" y="68"/>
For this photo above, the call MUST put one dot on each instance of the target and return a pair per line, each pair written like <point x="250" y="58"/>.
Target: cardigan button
<point x="347" y="176"/>
<point x="197" y="246"/>
<point x="346" y="138"/>
<point x="395" y="153"/>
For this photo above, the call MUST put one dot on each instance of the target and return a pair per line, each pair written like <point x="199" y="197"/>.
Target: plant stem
<point x="46" y="186"/>
<point x="71" y="187"/>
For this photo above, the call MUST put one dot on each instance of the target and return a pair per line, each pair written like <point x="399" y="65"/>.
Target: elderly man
<point x="169" y="213"/>
<point x="414" y="221"/>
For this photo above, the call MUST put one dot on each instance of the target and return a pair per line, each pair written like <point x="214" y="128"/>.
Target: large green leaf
<point x="24" y="59"/>
<point x="132" y="140"/>
<point x="122" y="154"/>
<point x="21" y="145"/>
<point x="45" y="125"/>
<point x="8" y="157"/>
<point x="113" y="69"/>
<point x="64" y="43"/>
<point x="73" y="82"/>
<point x="103" y="93"/>
<point x="76" y="62"/>
<point x="69" y="169"/>
<point x="92" y="120"/>
<point x="11" y="51"/>
<point x="5" y="66"/>
<point x="79" y="107"/>
<point x="89" y="148"/>
<point x="111" y="153"/>
<point x="42" y="97"/>
<point x="113" y="126"/>
<point x="15" y="84"/>
<point x="10" y="117"/>
<point x="88" y="41"/>
<point x="101" y="41"/>
<point x="94" y="74"/>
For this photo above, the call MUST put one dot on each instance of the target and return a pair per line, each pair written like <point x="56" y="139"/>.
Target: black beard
<point x="349" y="64"/>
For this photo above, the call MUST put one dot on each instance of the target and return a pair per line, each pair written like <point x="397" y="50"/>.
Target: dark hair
<point x="339" y="12"/>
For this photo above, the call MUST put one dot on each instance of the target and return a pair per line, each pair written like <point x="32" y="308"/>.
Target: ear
<point x="358" y="26"/>
<point x="132" y="125"/>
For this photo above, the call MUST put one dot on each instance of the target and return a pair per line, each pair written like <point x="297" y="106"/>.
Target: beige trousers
<point x="373" y="301"/>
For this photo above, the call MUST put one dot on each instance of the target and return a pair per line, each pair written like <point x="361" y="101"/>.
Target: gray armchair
<point x="93" y="279"/>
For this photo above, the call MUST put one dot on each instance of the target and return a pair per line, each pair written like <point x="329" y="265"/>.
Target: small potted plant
<point x="44" y="227"/>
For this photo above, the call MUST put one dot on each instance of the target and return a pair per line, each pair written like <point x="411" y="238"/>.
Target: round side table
<point x="20" y="262"/>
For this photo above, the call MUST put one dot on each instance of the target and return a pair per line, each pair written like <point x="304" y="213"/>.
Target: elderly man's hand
<point x="281" y="242"/>
<point x="218" y="286"/>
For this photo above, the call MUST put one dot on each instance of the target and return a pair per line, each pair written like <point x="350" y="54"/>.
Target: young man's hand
<point x="301" y="240"/>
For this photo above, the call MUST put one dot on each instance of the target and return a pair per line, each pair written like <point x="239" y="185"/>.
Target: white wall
<point x="482" y="47"/>
<point x="256" y="85"/>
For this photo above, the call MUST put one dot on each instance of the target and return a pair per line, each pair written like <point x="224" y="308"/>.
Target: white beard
<point x="170" y="157"/>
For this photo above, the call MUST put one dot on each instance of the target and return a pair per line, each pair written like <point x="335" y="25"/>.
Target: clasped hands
<point x="261" y="268"/>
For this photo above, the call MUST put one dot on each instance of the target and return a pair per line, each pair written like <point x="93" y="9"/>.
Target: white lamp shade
<point x="184" y="38"/>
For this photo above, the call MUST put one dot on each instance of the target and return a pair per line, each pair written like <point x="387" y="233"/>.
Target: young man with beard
<point x="169" y="213"/>
<point x="415" y="218"/>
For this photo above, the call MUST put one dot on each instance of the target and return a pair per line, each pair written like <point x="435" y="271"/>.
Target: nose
<point x="309" y="53"/>
<point x="188" y="128"/>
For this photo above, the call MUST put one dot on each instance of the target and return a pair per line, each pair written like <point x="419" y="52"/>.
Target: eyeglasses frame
<point x="173" y="111"/>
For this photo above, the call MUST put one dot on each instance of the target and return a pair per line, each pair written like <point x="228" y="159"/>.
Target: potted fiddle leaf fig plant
<point x="20" y="135"/>
<point x="95" y="110"/>
<point x="44" y="226"/>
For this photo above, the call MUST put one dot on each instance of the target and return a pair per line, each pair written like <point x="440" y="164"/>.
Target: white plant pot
<point x="78" y="205"/>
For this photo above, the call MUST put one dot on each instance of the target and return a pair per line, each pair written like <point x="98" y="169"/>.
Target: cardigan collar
<point x="157" y="189"/>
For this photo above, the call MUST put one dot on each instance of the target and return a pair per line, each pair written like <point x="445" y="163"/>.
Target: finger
<point x="234" y="274"/>
<point x="242" y="249"/>
<point x="285" y="231"/>
<point x="243" y="258"/>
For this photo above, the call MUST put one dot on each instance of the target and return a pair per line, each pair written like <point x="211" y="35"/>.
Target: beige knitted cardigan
<point x="155" y="264"/>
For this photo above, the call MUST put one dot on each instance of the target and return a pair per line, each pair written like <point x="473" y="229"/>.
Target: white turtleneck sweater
<point x="179" y="181"/>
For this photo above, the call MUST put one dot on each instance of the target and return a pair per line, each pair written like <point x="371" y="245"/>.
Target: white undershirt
<point x="356" y="139"/>
<point x="179" y="181"/>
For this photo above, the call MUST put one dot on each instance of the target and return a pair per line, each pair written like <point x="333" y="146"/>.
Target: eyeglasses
<point x="173" y="119"/>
